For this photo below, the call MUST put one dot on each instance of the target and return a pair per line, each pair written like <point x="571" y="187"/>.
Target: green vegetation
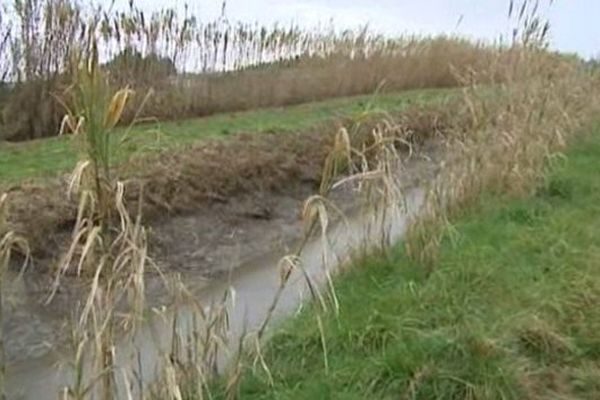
<point x="52" y="156"/>
<point x="509" y="312"/>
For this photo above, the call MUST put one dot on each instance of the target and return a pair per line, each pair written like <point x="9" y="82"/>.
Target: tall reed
<point x="201" y="67"/>
<point x="502" y="141"/>
<point x="108" y="245"/>
<point x="95" y="113"/>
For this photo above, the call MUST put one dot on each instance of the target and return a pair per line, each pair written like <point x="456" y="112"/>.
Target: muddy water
<point x="254" y="283"/>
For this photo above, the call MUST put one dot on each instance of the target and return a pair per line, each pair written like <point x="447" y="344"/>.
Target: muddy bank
<point x="215" y="172"/>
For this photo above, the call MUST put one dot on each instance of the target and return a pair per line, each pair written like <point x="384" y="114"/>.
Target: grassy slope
<point x="50" y="157"/>
<point x="511" y="311"/>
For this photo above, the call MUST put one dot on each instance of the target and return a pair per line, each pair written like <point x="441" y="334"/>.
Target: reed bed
<point x="193" y="67"/>
<point x="505" y="143"/>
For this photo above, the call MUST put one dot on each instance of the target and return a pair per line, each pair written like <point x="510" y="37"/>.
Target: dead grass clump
<point x="114" y="307"/>
<point x="178" y="181"/>
<point x="542" y="343"/>
<point x="107" y="244"/>
<point x="95" y="113"/>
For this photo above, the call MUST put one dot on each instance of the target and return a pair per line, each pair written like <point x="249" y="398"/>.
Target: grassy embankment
<point x="511" y="310"/>
<point x="52" y="156"/>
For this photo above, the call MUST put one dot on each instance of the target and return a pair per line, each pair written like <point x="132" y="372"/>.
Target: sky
<point x="574" y="22"/>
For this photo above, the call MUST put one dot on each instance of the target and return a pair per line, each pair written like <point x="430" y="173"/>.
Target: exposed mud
<point x="229" y="234"/>
<point x="201" y="246"/>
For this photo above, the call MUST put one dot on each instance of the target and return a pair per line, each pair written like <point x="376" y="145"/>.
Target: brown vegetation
<point x="504" y="143"/>
<point x="181" y="68"/>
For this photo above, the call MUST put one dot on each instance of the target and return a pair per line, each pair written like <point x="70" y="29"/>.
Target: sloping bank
<point x="213" y="172"/>
<point x="509" y="311"/>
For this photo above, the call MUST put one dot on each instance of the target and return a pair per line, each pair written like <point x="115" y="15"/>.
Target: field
<point x="196" y="209"/>
<point x="508" y="313"/>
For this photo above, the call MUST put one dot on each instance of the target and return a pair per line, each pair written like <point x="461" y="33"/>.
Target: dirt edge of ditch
<point x="216" y="174"/>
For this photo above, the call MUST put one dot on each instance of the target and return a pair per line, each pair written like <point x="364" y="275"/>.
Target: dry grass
<point x="108" y="244"/>
<point x="95" y="113"/>
<point x="503" y="143"/>
<point x="194" y="69"/>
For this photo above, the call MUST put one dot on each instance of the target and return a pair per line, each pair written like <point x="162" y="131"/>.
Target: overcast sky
<point x="575" y="26"/>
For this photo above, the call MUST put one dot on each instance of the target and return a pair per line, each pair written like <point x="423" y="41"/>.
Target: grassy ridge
<point x="510" y="312"/>
<point x="49" y="157"/>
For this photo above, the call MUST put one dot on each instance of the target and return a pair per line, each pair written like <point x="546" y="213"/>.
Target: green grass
<point x="50" y="157"/>
<point x="512" y="311"/>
